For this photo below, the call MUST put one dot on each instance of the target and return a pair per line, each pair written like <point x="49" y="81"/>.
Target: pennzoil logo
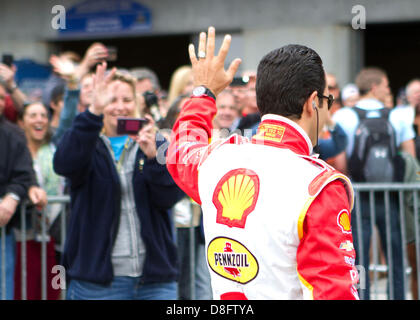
<point x="232" y="260"/>
<point x="235" y="197"/>
<point x="343" y="221"/>
<point x="270" y="132"/>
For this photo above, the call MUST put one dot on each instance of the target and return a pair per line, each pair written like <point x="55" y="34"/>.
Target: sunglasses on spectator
<point x="330" y="99"/>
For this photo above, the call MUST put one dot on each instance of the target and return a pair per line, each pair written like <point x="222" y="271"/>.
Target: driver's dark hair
<point x="286" y="78"/>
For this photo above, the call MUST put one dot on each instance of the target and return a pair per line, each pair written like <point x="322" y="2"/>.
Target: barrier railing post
<point x="23" y="274"/>
<point x="43" y="255"/>
<point x="389" y="246"/>
<point x="417" y="237"/>
<point x="374" y="241"/>
<point x="403" y="235"/>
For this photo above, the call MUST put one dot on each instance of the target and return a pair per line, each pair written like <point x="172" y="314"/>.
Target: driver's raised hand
<point x="208" y="69"/>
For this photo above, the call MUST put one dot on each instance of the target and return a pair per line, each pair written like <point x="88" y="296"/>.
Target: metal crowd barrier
<point x="51" y="200"/>
<point x="403" y="190"/>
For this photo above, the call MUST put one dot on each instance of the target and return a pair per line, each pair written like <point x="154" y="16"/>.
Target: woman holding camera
<point x="120" y="242"/>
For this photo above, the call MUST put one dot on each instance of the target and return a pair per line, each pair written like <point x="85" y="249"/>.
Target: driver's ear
<point x="311" y="103"/>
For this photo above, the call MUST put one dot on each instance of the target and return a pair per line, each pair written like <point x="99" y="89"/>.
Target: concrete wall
<point x="331" y="42"/>
<point x="324" y="25"/>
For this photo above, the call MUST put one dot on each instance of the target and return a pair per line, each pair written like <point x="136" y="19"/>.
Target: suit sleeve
<point x="189" y="143"/>
<point x="325" y="256"/>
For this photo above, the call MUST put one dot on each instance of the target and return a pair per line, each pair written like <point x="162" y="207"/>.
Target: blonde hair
<point x="126" y="77"/>
<point x="179" y="81"/>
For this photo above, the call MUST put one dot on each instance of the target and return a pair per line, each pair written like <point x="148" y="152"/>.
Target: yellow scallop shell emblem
<point x="235" y="197"/>
<point x="343" y="221"/>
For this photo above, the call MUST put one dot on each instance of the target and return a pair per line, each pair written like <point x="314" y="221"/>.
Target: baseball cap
<point x="349" y="91"/>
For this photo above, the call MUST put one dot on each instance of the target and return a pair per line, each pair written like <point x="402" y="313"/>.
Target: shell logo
<point x="343" y="221"/>
<point x="235" y="197"/>
<point x="230" y="259"/>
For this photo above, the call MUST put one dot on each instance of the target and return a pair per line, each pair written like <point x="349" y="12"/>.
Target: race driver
<point x="276" y="219"/>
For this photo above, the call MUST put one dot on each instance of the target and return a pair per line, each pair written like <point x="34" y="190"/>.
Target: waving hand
<point x="208" y="69"/>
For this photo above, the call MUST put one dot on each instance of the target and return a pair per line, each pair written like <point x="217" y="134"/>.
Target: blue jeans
<point x="9" y="252"/>
<point x="396" y="243"/>
<point x="122" y="288"/>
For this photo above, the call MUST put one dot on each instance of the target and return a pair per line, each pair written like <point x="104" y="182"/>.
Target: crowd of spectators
<point x="128" y="233"/>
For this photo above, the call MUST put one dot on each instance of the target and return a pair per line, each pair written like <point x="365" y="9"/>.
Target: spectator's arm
<point x="18" y="97"/>
<point x="38" y="197"/>
<point x="21" y="178"/>
<point x="8" y="75"/>
<point x="73" y="156"/>
<point x="72" y="75"/>
<point x="8" y="207"/>
<point x="96" y="53"/>
<point x="409" y="147"/>
<point x="22" y="175"/>
<point x="405" y="133"/>
<point x="67" y="115"/>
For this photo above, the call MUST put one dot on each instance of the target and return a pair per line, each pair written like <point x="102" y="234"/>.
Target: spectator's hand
<point x="209" y="71"/>
<point x="8" y="75"/>
<point x="38" y="197"/>
<point x="146" y="138"/>
<point x="64" y="67"/>
<point x="7" y="208"/>
<point x="101" y="94"/>
<point x="96" y="53"/>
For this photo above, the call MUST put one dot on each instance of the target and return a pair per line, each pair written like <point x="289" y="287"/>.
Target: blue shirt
<point x="348" y="119"/>
<point x="117" y="145"/>
<point x="332" y="146"/>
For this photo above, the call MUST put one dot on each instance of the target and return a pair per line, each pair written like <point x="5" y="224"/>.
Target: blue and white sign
<point x="106" y="17"/>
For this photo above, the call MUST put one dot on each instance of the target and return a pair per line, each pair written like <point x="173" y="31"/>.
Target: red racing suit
<point x="276" y="220"/>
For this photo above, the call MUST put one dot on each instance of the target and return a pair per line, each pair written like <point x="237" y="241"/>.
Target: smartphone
<point x="7" y="59"/>
<point x="130" y="125"/>
<point x="112" y="53"/>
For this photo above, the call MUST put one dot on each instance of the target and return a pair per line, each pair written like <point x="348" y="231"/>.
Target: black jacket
<point x="82" y="157"/>
<point x="16" y="171"/>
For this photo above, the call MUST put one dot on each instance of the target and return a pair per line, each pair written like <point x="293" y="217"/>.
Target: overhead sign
<point x="106" y="17"/>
